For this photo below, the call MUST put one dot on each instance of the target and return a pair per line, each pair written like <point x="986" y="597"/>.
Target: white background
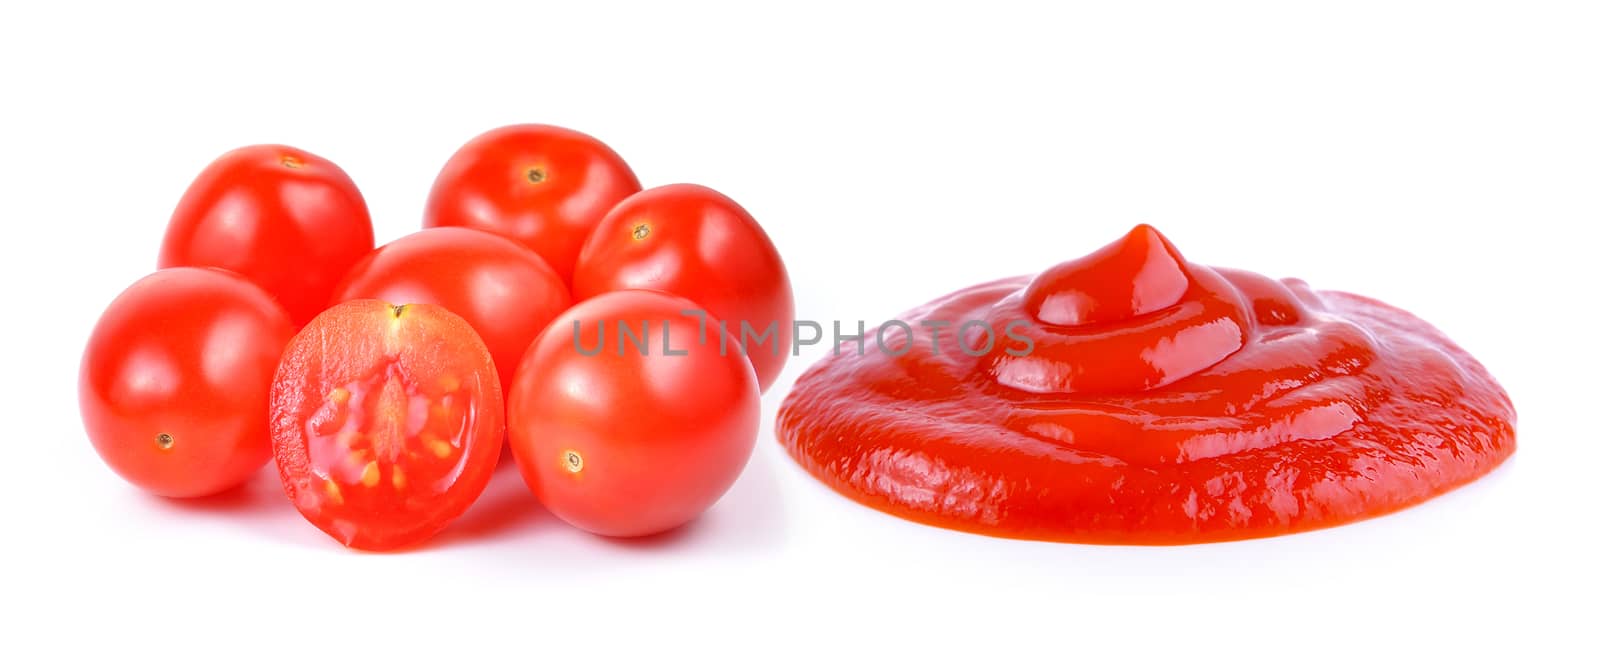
<point x="1443" y="157"/>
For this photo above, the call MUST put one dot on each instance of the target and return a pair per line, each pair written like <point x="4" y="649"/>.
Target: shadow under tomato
<point x="505" y="510"/>
<point x="752" y="514"/>
<point x="659" y="541"/>
<point x="749" y="517"/>
<point x="258" y="506"/>
<point x="246" y="497"/>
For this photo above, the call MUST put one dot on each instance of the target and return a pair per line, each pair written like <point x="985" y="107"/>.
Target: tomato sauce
<point x="1155" y="401"/>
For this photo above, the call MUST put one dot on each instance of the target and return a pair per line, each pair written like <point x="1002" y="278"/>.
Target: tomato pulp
<point x="1148" y="400"/>
<point x="386" y="421"/>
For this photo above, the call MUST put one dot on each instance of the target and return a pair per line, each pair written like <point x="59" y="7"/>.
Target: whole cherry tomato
<point x="288" y="220"/>
<point x="625" y="418"/>
<point x="694" y="242"/>
<point x="540" y="185"/>
<point x="503" y="289"/>
<point x="173" y="387"/>
<point x="387" y="421"/>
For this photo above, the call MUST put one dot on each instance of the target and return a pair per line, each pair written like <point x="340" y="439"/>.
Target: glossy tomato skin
<point x="629" y="443"/>
<point x="504" y="290"/>
<point x="288" y="220"/>
<point x="541" y="185"/>
<point x="697" y="243"/>
<point x="386" y="421"/>
<point x="173" y="386"/>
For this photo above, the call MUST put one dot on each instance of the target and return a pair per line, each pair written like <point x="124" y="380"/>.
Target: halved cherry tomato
<point x="697" y="243"/>
<point x="173" y="387"/>
<point x="503" y="289"/>
<point x="624" y="440"/>
<point x="288" y="220"/>
<point x="386" y="421"/>
<point x="540" y="185"/>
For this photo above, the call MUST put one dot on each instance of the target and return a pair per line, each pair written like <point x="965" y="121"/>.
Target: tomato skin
<point x="504" y="290"/>
<point x="288" y="220"/>
<point x="651" y="440"/>
<point x="188" y="353"/>
<point x="540" y="185"/>
<point x="386" y="421"/>
<point x="697" y="243"/>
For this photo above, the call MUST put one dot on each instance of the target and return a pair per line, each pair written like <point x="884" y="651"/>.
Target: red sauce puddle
<point x="1158" y="402"/>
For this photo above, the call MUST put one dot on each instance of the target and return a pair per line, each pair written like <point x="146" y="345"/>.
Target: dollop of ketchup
<point x="1144" y="399"/>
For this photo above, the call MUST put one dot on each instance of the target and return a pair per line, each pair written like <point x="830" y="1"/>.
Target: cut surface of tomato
<point x="386" y="421"/>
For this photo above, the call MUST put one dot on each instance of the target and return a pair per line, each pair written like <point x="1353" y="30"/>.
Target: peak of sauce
<point x="1159" y="401"/>
<point x="1136" y="275"/>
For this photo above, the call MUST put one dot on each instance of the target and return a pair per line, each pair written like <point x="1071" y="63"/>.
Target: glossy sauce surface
<point x="1155" y="401"/>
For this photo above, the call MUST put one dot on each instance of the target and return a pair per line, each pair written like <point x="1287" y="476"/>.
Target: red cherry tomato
<point x="386" y="421"/>
<point x="503" y="289"/>
<point x="288" y="220"/>
<point x="173" y="387"/>
<point x="542" y="186"/>
<point x="626" y="442"/>
<point x="694" y="242"/>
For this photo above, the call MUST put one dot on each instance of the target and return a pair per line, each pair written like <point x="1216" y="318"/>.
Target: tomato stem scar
<point x="164" y="441"/>
<point x="572" y="460"/>
<point x="291" y="162"/>
<point x="535" y="175"/>
<point x="397" y="310"/>
<point x="641" y="231"/>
